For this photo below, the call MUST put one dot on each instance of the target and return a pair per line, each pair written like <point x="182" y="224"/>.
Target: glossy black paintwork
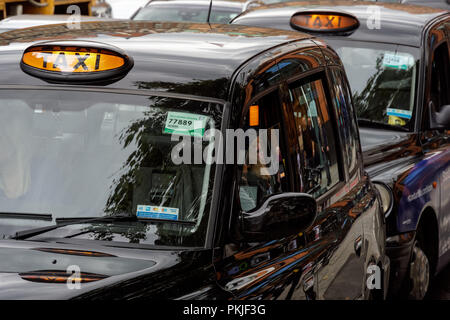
<point x="327" y="260"/>
<point x="406" y="161"/>
<point x="177" y="57"/>
<point x="131" y="272"/>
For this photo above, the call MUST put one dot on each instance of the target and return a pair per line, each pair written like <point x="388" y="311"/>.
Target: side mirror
<point x="443" y="117"/>
<point x="439" y="120"/>
<point x="279" y="216"/>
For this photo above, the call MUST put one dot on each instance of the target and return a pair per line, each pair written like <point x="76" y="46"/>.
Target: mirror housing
<point x="279" y="216"/>
<point x="439" y="120"/>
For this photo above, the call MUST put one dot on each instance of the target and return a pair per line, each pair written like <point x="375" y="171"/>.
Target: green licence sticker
<point x="185" y="124"/>
<point x="397" y="61"/>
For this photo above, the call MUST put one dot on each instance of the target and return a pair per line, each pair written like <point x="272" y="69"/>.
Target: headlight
<point x="387" y="197"/>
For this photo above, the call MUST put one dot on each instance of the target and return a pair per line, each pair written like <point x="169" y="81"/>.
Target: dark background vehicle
<point x="125" y="9"/>
<point x="219" y="11"/>
<point x="83" y="157"/>
<point x="398" y="71"/>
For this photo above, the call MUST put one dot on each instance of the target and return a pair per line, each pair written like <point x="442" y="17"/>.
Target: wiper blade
<point x="25" y="216"/>
<point x="62" y="222"/>
<point x="22" y="235"/>
<point x="77" y="220"/>
<point x="379" y="124"/>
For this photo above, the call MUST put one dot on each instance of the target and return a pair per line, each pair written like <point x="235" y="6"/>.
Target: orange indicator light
<point x="254" y="116"/>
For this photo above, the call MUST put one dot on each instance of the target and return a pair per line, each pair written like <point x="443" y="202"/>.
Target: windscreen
<point x="173" y="12"/>
<point x="382" y="78"/>
<point x="92" y="154"/>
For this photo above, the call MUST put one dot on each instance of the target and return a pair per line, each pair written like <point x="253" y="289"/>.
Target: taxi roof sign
<point x="75" y="62"/>
<point x="324" y="21"/>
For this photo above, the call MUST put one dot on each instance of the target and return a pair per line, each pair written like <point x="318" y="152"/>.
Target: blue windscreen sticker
<point x="154" y="212"/>
<point x="399" y="113"/>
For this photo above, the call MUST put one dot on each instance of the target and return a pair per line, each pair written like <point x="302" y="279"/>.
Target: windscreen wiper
<point x="379" y="124"/>
<point x="22" y="235"/>
<point x="25" y="216"/>
<point x="62" y="222"/>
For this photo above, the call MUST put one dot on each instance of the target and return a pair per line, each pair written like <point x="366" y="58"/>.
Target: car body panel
<point x="414" y="164"/>
<point x="327" y="260"/>
<point x="408" y="33"/>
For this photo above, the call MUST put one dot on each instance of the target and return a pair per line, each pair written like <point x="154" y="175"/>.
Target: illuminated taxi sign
<point x="324" y="22"/>
<point x="68" y="63"/>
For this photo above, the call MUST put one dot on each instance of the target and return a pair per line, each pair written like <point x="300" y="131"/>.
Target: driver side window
<point x="440" y="94"/>
<point x="264" y="171"/>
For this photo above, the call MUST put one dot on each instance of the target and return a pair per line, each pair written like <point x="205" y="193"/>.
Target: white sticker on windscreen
<point x="154" y="212"/>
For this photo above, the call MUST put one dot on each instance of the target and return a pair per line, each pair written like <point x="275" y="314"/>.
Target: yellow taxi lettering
<point x="60" y="61"/>
<point x="324" y="22"/>
<point x="64" y="61"/>
<point x="81" y="62"/>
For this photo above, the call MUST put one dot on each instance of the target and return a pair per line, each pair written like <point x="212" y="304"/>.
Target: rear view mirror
<point x="279" y="216"/>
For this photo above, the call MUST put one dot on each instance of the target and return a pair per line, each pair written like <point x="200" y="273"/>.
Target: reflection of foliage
<point x="146" y="154"/>
<point x="384" y="89"/>
<point x="120" y="199"/>
<point x="102" y="232"/>
<point x="205" y="88"/>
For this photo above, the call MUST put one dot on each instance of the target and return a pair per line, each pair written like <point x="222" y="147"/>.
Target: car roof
<point x="443" y="4"/>
<point x="400" y="23"/>
<point x="167" y="56"/>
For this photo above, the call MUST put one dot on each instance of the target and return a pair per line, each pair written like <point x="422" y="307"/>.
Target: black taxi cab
<point x="136" y="163"/>
<point x="397" y="61"/>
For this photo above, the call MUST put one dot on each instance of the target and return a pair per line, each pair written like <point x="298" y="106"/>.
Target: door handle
<point x="358" y="246"/>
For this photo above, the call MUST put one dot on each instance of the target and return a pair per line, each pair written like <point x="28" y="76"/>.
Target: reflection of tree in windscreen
<point x="386" y="88"/>
<point x="205" y="88"/>
<point x="147" y="154"/>
<point x="134" y="233"/>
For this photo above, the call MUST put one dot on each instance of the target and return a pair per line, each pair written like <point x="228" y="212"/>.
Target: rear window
<point x="182" y="13"/>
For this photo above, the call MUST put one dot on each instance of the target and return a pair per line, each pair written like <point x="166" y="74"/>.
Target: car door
<point x="325" y="260"/>
<point x="327" y="149"/>
<point x="436" y="141"/>
<point x="277" y="269"/>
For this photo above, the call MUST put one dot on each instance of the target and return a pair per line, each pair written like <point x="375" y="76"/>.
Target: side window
<point x="263" y="173"/>
<point x="315" y="136"/>
<point x="346" y="118"/>
<point x="439" y="92"/>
